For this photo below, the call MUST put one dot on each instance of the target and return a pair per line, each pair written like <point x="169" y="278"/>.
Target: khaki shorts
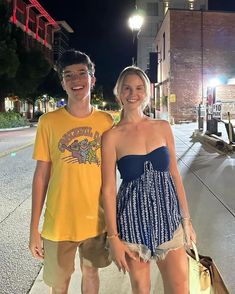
<point x="59" y="258"/>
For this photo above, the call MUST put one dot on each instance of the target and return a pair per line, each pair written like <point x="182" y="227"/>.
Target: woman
<point x="149" y="218"/>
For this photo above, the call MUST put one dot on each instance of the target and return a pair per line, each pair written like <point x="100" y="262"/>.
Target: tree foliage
<point x="9" y="59"/>
<point x="51" y="85"/>
<point x="22" y="69"/>
<point x="33" y="68"/>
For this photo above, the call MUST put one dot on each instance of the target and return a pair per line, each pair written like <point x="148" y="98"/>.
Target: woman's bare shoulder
<point x="111" y="133"/>
<point x="161" y="123"/>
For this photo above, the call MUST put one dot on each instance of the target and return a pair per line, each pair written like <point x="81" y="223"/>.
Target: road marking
<point x="16" y="149"/>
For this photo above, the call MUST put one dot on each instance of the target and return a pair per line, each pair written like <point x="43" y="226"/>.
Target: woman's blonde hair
<point x="132" y="70"/>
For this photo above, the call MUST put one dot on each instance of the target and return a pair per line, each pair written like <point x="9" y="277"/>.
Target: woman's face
<point x="133" y="92"/>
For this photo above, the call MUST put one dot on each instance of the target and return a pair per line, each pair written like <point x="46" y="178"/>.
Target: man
<point x="67" y="150"/>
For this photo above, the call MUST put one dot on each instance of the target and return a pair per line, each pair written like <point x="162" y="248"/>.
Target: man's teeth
<point x="77" y="88"/>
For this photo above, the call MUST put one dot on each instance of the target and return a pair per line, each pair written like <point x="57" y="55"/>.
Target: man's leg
<point x="61" y="289"/>
<point x="58" y="264"/>
<point x="90" y="279"/>
<point x="93" y="255"/>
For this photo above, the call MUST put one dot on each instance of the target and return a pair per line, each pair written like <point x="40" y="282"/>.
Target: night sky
<point x="101" y="30"/>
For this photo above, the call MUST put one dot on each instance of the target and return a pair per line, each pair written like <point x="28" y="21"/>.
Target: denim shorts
<point x="144" y="254"/>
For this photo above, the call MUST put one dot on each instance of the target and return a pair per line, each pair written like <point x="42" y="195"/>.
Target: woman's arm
<point x="109" y="191"/>
<point x="174" y="171"/>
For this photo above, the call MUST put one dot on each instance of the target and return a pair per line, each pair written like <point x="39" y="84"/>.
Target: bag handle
<point x="195" y="251"/>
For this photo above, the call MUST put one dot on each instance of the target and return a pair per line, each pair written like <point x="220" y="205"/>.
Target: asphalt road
<point x="18" y="269"/>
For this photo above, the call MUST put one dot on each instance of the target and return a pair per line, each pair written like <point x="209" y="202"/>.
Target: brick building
<point x="193" y="48"/>
<point x="154" y="12"/>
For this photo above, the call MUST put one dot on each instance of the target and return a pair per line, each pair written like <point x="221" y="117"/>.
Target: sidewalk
<point x="209" y="184"/>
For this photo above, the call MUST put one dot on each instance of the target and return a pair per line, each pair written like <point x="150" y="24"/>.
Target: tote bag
<point x="204" y="276"/>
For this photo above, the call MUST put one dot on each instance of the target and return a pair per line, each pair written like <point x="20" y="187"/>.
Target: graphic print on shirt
<point x="82" y="150"/>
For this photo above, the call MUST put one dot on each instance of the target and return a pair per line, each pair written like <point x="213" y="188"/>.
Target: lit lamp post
<point x="135" y="23"/>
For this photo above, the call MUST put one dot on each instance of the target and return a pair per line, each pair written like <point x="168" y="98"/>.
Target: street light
<point x="135" y="23"/>
<point x="104" y="104"/>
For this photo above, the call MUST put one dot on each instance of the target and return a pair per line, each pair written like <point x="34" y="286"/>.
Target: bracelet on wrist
<point x="183" y="219"/>
<point x="112" y="236"/>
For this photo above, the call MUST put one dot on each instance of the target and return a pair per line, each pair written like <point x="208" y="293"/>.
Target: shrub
<point x="12" y="119"/>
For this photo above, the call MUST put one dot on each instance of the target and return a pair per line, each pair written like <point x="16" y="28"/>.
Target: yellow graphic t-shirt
<point x="72" y="145"/>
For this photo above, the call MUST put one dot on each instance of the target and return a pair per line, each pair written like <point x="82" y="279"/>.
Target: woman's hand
<point x="119" y="252"/>
<point x="189" y="232"/>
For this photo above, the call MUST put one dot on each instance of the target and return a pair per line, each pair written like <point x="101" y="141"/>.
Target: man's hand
<point x="35" y="245"/>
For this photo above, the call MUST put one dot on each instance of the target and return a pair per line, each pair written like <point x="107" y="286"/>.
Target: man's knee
<point x="89" y="272"/>
<point x="62" y="289"/>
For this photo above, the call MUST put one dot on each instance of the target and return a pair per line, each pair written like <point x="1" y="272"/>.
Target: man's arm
<point x="39" y="190"/>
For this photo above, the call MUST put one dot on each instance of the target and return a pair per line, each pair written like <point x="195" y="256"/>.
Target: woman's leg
<point x="174" y="271"/>
<point x="139" y="276"/>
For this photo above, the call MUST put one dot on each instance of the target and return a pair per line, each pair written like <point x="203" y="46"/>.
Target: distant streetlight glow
<point x="136" y="22"/>
<point x="215" y="82"/>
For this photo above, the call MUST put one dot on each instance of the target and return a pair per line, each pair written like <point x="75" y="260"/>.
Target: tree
<point x="8" y="56"/>
<point x="31" y="71"/>
<point x="97" y="96"/>
<point x="23" y="69"/>
<point x="49" y="85"/>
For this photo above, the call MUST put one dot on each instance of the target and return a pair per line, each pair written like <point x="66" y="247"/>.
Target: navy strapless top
<point x="132" y="166"/>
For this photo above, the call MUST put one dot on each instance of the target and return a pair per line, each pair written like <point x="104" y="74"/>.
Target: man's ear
<point x="62" y="84"/>
<point x="93" y="80"/>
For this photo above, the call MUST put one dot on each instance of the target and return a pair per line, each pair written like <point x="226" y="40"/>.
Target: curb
<point x="14" y="129"/>
<point x="16" y="149"/>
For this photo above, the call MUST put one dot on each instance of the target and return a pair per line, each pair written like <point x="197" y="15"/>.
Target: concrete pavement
<point x="209" y="183"/>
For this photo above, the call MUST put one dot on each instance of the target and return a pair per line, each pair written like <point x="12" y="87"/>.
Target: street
<point x="18" y="269"/>
<point x="209" y="183"/>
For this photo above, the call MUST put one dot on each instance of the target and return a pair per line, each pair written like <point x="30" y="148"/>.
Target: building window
<point x="152" y="9"/>
<point x="32" y="26"/>
<point x="164" y="46"/>
<point x="20" y="17"/>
